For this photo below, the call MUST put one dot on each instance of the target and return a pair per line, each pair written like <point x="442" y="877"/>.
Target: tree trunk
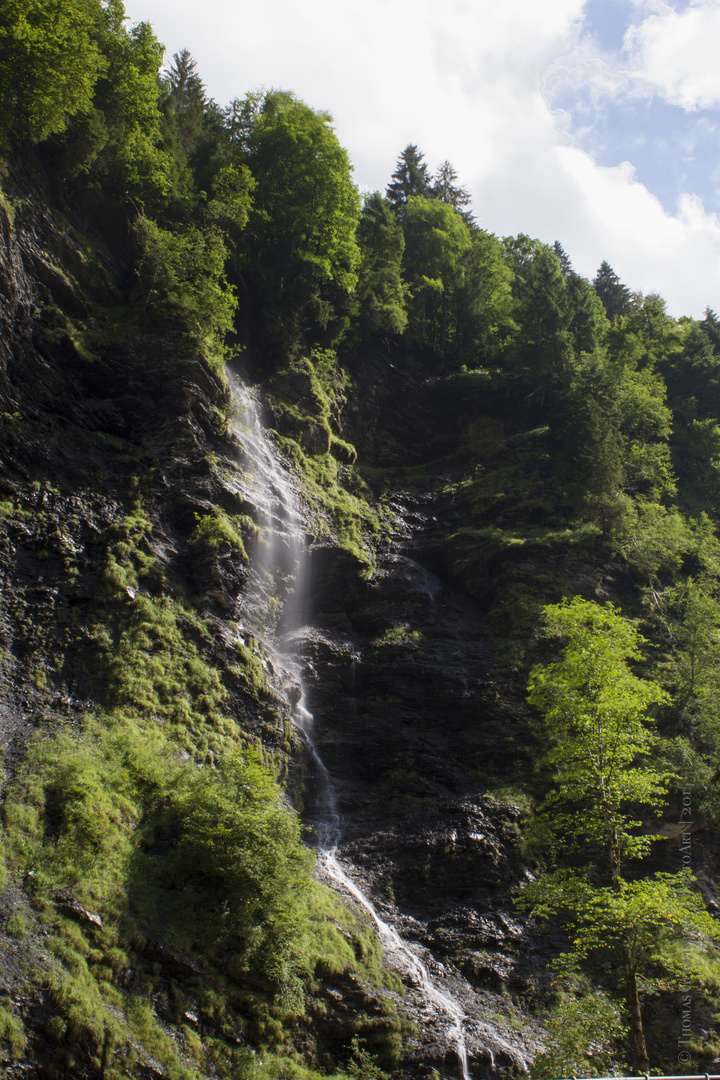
<point x="632" y="1000"/>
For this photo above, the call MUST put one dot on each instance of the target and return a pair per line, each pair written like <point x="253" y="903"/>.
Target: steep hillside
<point x="291" y="486"/>
<point x="123" y="564"/>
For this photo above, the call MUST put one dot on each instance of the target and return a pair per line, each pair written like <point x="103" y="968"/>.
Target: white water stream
<point x="275" y="611"/>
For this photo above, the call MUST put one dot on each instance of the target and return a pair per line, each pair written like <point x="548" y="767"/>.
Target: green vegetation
<point x="583" y="1036"/>
<point x="596" y="723"/>
<point x="399" y="635"/>
<point x="12" y="1033"/>
<point x="568" y="431"/>
<point x="215" y="530"/>
<point x="307" y="398"/>
<point x="123" y="832"/>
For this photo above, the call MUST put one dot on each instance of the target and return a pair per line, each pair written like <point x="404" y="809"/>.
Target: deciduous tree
<point x="436" y="238"/>
<point x="380" y="295"/>
<point x="51" y="59"/>
<point x="596" y="720"/>
<point x="300" y="252"/>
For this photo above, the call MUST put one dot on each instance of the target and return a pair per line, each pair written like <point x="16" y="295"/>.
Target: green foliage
<point x="411" y="178"/>
<point x="436" y="238"/>
<point x="542" y="353"/>
<point x="127" y="109"/>
<point x="483" y="320"/>
<point x="399" y="635"/>
<point x="117" y="817"/>
<point x="112" y="135"/>
<point x="583" y="1038"/>
<point x="17" y="926"/>
<point x="611" y="427"/>
<point x="183" y="273"/>
<point x="216" y="530"/>
<point x="362" y="1065"/>
<point x="685" y="616"/>
<point x="445" y="189"/>
<point x="654" y="540"/>
<point x="231" y="201"/>
<point x="238" y="863"/>
<point x="51" y="61"/>
<point x="300" y="255"/>
<point x="595" y="712"/>
<point x="594" y="708"/>
<point x="380" y="295"/>
<point x="184" y="107"/>
<point x="588" y="322"/>
<point x="12" y="1031"/>
<point x="616" y="298"/>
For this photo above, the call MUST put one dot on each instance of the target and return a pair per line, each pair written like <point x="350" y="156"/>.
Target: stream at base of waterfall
<point x="275" y="609"/>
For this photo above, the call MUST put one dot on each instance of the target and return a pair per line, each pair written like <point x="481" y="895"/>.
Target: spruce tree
<point x="186" y="100"/>
<point x="711" y="326"/>
<point x="616" y="297"/>
<point x="411" y="177"/>
<point x="563" y="258"/>
<point x="445" y="189"/>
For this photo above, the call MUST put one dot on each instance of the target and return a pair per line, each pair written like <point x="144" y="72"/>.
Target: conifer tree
<point x="445" y="189"/>
<point x="563" y="258"/>
<point x="185" y="105"/>
<point x="711" y="325"/>
<point x="615" y="296"/>
<point x="411" y="177"/>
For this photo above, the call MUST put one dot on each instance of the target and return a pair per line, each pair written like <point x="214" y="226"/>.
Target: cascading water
<point x="275" y="610"/>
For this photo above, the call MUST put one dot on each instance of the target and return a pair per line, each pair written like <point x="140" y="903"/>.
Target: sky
<point x="591" y="122"/>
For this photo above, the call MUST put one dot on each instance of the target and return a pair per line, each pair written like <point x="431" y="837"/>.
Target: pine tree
<point x="187" y="100"/>
<point x="563" y="258"/>
<point x="615" y="296"/>
<point x="711" y="325"/>
<point x="445" y="189"/>
<point x="411" y="177"/>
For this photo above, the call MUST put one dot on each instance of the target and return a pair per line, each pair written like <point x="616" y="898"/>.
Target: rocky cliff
<point x="127" y="531"/>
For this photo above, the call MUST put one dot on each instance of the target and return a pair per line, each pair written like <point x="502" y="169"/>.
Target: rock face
<point x="400" y="683"/>
<point x="396" y="665"/>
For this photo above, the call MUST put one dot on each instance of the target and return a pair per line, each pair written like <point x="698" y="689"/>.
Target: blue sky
<point x="613" y="116"/>
<point x="593" y="122"/>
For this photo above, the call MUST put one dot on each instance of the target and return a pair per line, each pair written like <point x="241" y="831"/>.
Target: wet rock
<point x="172" y="962"/>
<point x="68" y="905"/>
<point x="337" y="578"/>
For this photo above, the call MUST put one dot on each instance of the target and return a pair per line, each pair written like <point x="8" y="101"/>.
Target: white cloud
<point x="676" y="54"/>
<point x="675" y="255"/>
<point x="463" y="81"/>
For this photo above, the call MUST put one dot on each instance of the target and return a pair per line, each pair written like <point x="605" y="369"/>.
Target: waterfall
<point x="275" y="610"/>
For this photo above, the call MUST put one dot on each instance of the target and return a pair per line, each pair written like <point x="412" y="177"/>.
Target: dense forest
<point x="510" y="487"/>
